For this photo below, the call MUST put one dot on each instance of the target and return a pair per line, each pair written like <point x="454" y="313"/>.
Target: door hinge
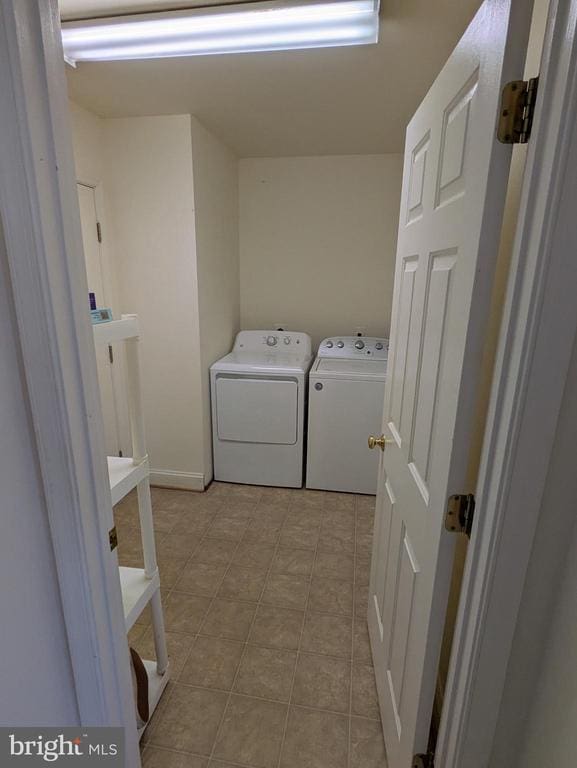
<point x="517" y="110"/>
<point x="424" y="761"/>
<point x="98" y="232"/>
<point x="110" y="354"/>
<point x="460" y="512"/>
<point x="113" y="538"/>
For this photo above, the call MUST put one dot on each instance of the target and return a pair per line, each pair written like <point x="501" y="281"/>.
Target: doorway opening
<point x="234" y="519"/>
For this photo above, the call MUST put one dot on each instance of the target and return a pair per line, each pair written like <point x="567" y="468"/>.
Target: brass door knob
<point x="380" y="441"/>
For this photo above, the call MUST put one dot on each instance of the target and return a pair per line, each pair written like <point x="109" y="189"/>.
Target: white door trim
<point x="40" y="214"/>
<point x="537" y="336"/>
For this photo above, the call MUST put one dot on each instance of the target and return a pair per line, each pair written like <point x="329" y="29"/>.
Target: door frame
<point x="538" y="333"/>
<point x="109" y="284"/>
<point x="41" y="220"/>
<point x="42" y="230"/>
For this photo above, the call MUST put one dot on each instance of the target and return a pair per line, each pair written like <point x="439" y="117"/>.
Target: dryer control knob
<point x="378" y="345"/>
<point x="340" y="344"/>
<point x="271" y="340"/>
<point x="360" y="344"/>
<point x="329" y="344"/>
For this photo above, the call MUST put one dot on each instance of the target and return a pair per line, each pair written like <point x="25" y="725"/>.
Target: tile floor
<point x="265" y="593"/>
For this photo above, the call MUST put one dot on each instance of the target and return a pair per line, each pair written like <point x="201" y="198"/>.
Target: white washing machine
<point x="346" y="396"/>
<point x="258" y="409"/>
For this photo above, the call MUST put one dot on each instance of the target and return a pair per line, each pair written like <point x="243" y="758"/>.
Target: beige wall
<point x="170" y="193"/>
<point x="87" y="135"/>
<point x="88" y="146"/>
<point x="317" y="242"/>
<point x="217" y="258"/>
<point x="147" y="169"/>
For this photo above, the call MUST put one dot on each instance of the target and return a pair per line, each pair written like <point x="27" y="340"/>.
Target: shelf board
<point x="116" y="330"/>
<point x="156" y="685"/>
<point x="124" y="475"/>
<point x="137" y="590"/>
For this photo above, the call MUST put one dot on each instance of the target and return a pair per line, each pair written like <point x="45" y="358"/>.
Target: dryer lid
<point x="262" y="363"/>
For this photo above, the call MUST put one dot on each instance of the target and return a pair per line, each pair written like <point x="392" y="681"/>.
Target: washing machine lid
<point x="375" y="370"/>
<point x="273" y="363"/>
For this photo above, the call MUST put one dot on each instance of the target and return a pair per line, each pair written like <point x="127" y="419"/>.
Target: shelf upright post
<point x="158" y="633"/>
<point x="139" y="454"/>
<point x="135" y="410"/>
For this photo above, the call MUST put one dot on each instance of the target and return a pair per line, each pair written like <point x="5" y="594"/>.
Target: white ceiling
<point x="313" y="102"/>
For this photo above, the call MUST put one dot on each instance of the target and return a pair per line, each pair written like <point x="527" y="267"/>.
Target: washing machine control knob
<point x="287" y="339"/>
<point x="340" y="344"/>
<point x="360" y="344"/>
<point x="271" y="340"/>
<point x="378" y="345"/>
<point x="330" y="344"/>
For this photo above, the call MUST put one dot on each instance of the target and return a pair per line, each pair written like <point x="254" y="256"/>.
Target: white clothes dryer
<point x="346" y="397"/>
<point x="258" y="409"/>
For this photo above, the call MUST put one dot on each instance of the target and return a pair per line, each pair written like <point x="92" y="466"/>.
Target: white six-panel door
<point x="454" y="183"/>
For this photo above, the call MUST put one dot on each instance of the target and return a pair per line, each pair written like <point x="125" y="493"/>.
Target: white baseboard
<point x="187" y="481"/>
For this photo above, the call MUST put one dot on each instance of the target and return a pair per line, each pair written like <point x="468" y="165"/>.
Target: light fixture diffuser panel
<point x="272" y="26"/>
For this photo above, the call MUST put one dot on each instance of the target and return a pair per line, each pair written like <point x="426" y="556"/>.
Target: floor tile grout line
<point x="165" y="700"/>
<point x="246" y="644"/>
<point x="173" y="589"/>
<point x="215" y="596"/>
<point x="266" y="647"/>
<point x="251" y="518"/>
<point x="351" y="680"/>
<point x="212" y="600"/>
<point x="161" y="705"/>
<point x="264" y="699"/>
<point x="298" y="653"/>
<point x="243" y="654"/>
<point x="205" y="534"/>
<point x="279" y="544"/>
<point x="184" y="753"/>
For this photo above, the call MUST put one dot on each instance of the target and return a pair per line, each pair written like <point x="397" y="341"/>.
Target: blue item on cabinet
<point x="101" y="316"/>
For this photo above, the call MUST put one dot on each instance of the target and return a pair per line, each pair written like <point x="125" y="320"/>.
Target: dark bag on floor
<point x="140" y="687"/>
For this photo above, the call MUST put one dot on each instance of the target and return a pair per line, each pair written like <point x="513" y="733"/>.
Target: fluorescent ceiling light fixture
<point x="240" y="28"/>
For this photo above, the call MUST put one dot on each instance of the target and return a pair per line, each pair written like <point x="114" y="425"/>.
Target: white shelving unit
<point x="140" y="586"/>
<point x="124" y="475"/>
